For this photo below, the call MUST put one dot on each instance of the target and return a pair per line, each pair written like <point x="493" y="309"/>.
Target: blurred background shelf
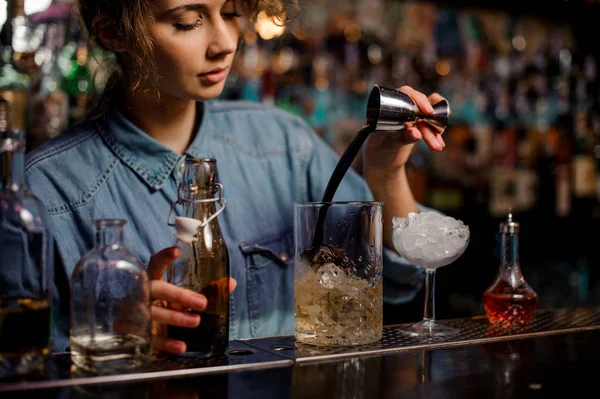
<point x="521" y="78"/>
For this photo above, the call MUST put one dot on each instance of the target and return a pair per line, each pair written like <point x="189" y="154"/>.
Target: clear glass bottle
<point x="203" y="265"/>
<point x="26" y="262"/>
<point x="110" y="305"/>
<point x="509" y="301"/>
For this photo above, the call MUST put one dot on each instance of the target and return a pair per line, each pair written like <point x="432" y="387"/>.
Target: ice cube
<point x="313" y="311"/>
<point x="429" y="219"/>
<point x="434" y="233"/>
<point x="330" y="275"/>
<point x="328" y="254"/>
<point x="409" y="241"/>
<point x="400" y="222"/>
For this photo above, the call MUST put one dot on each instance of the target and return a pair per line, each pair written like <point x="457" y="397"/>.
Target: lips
<point x="214" y="76"/>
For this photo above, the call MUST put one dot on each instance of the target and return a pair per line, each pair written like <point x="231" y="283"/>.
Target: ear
<point x="107" y="33"/>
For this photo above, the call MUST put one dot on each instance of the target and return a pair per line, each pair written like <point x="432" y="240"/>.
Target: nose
<point x="223" y="40"/>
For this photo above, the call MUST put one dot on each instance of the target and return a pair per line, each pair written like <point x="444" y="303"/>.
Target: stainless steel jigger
<point x="391" y="110"/>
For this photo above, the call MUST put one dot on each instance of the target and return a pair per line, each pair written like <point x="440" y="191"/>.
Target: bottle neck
<point x="109" y="235"/>
<point x="510" y="250"/>
<point x="201" y="210"/>
<point x="12" y="170"/>
<point x="15" y="8"/>
<point x="199" y="188"/>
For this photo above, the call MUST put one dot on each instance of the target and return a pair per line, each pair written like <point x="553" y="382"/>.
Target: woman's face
<point x="195" y="42"/>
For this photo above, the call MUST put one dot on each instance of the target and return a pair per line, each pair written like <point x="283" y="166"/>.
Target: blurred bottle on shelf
<point x="518" y="83"/>
<point x="49" y="105"/>
<point x="79" y="84"/>
<point x="583" y="164"/>
<point x="20" y="34"/>
<point x="16" y="62"/>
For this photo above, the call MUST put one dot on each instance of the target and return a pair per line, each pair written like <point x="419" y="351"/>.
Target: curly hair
<point x="133" y="18"/>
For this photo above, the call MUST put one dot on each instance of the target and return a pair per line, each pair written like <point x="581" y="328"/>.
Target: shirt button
<point x="284" y="257"/>
<point x="182" y="167"/>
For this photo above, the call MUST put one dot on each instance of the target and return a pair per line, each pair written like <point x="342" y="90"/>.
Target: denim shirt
<point x="266" y="158"/>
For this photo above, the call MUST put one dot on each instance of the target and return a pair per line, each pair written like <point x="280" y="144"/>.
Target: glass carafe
<point x="509" y="301"/>
<point x="26" y="262"/>
<point x="203" y="265"/>
<point x="110" y="305"/>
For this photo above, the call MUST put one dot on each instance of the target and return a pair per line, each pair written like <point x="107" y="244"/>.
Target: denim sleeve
<point x="402" y="280"/>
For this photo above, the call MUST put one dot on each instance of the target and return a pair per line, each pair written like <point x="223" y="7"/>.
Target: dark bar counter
<point x="557" y="353"/>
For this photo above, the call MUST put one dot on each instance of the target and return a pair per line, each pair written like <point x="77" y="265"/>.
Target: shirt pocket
<point x="270" y="284"/>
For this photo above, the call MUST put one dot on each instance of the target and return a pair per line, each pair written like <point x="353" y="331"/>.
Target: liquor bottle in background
<point x="18" y="32"/>
<point x="509" y="301"/>
<point x="49" y="105"/>
<point x="203" y="265"/>
<point x="16" y="54"/>
<point x="79" y="85"/>
<point x="559" y="155"/>
<point x="26" y="261"/>
<point x="583" y="162"/>
<point x="15" y="87"/>
<point x="110" y="305"/>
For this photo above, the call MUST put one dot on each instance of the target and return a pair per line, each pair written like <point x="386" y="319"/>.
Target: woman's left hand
<point x="387" y="153"/>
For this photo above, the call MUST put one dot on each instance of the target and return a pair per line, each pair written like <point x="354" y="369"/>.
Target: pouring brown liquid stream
<point x="336" y="178"/>
<point x="388" y="110"/>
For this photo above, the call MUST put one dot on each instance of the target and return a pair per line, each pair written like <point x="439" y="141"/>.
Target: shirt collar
<point x="151" y="160"/>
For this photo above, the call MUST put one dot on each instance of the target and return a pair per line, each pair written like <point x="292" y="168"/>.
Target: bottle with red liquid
<point x="509" y="301"/>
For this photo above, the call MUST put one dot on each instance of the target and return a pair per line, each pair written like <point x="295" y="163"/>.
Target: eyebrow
<point x="190" y="7"/>
<point x="187" y="7"/>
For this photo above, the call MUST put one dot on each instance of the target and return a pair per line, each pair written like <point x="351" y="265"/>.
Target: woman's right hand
<point x="162" y="293"/>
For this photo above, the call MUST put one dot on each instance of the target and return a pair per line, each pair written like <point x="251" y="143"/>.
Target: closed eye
<point x="187" y="27"/>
